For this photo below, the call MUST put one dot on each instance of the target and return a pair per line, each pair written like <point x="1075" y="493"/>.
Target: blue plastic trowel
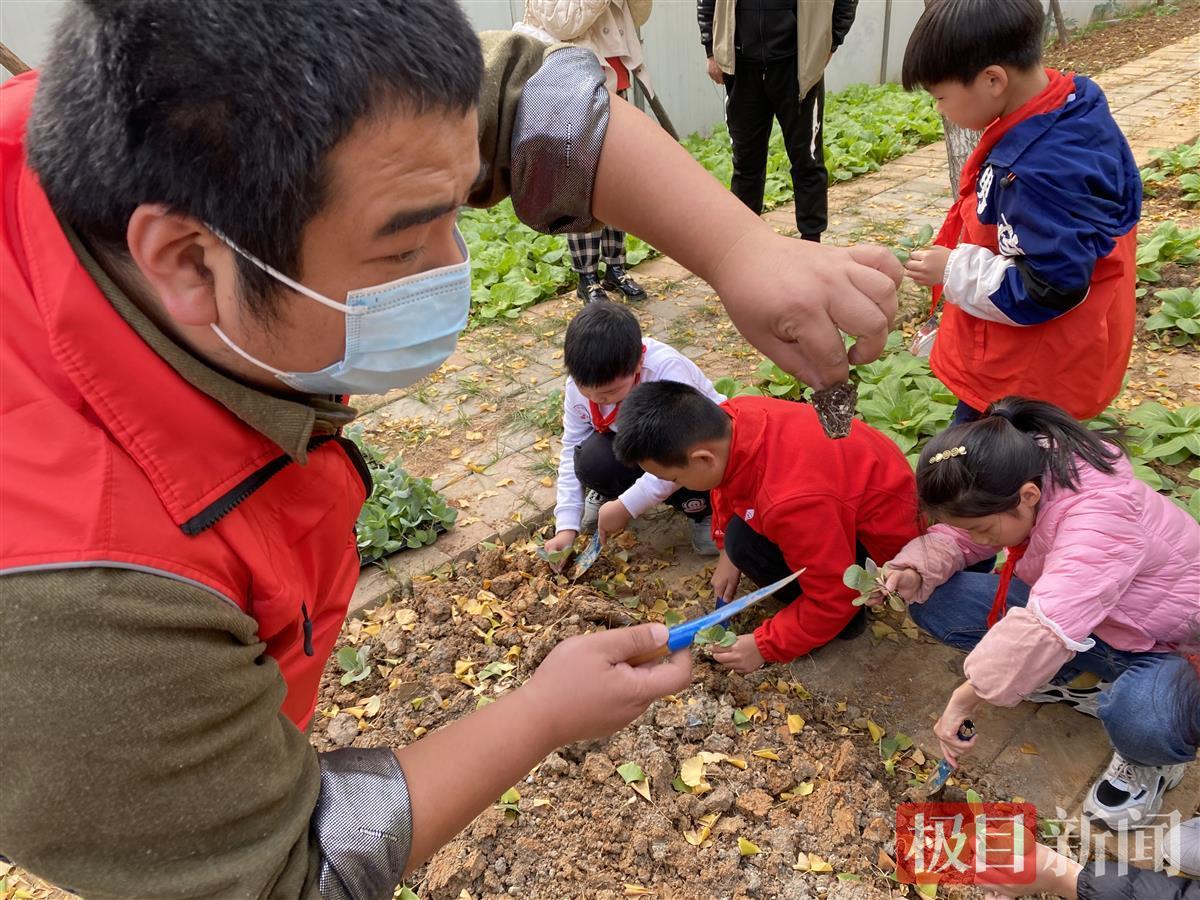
<point x="682" y="635"/>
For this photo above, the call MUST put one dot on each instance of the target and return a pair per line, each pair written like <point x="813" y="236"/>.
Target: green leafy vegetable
<point x="1178" y="316"/>
<point x="716" y="635"/>
<point x="354" y="663"/>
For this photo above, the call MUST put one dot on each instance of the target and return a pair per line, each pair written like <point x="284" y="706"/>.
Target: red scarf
<point x="603" y="423"/>
<point x="1052" y="97"/>
<point x="1000" y="603"/>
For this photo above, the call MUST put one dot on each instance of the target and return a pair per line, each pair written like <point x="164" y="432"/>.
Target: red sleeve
<point x="888" y="518"/>
<point x="817" y="532"/>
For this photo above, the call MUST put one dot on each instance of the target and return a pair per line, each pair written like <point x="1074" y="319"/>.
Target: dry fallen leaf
<point x="636" y="890"/>
<point x="795" y="723"/>
<point x="691" y="772"/>
<point x="1029" y="748"/>
<point x="747" y="848"/>
<point x="766" y="754"/>
<point x="877" y="733"/>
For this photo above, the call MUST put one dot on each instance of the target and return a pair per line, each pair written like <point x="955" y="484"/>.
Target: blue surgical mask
<point x="396" y="333"/>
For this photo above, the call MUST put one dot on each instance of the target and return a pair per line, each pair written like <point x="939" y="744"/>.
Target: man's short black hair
<point x="955" y="40"/>
<point x="226" y="110"/>
<point x="603" y="343"/>
<point x="662" y="421"/>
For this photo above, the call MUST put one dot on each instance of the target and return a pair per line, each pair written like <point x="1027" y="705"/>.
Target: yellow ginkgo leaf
<point x="456" y="453"/>
<point x="691" y="772"/>
<point x="709" y="758"/>
<point x="1029" y="748"/>
<point x="766" y="754"/>
<point x="747" y="848"/>
<point x="803" y="789"/>
<point x="736" y="761"/>
<point x="642" y="787"/>
<point x="877" y="733"/>
<point x="795" y="724"/>
<point x="810" y="862"/>
<point x="636" y="890"/>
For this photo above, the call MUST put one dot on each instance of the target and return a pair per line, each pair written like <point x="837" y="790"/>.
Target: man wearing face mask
<point x="218" y="219"/>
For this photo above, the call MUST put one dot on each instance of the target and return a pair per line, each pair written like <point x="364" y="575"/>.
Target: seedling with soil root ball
<point x="868" y="582"/>
<point x="715" y="636"/>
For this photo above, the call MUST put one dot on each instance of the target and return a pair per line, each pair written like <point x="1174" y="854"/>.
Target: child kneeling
<point x="606" y="357"/>
<point x="1102" y="581"/>
<point x="784" y="498"/>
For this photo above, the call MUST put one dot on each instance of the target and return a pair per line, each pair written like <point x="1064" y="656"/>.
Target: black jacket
<point x="766" y="29"/>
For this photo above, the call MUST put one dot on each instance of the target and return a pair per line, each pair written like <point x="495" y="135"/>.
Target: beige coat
<point x="606" y="27"/>
<point x="814" y="39"/>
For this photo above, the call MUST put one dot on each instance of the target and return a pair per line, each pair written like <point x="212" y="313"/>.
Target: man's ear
<point x="178" y="258"/>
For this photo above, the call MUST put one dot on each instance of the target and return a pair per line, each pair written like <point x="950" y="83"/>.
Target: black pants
<point x="762" y="561"/>
<point x="597" y="468"/>
<point x="758" y="93"/>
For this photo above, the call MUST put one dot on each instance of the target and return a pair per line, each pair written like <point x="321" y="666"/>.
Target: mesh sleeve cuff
<point x="363" y="824"/>
<point x="560" y="125"/>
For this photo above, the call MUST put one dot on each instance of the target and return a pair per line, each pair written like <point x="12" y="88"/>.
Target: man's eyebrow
<point x="409" y="218"/>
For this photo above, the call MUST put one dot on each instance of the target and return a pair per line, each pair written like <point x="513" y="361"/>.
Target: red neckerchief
<point x="603" y="423"/>
<point x="1053" y="96"/>
<point x="1000" y="603"/>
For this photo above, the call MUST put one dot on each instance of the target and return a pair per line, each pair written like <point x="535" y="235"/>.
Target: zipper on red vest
<point x="308" y="629"/>
<point x="224" y="505"/>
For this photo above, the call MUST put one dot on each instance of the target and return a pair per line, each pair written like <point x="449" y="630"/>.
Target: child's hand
<point x="927" y="266"/>
<point x="963" y="703"/>
<point x="584" y="689"/>
<point x="725" y="579"/>
<point x="559" y="542"/>
<point x="743" y="657"/>
<point x="613" y="519"/>
<point x="905" y="582"/>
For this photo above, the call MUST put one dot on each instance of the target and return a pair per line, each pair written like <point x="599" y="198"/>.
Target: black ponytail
<point x="1017" y="442"/>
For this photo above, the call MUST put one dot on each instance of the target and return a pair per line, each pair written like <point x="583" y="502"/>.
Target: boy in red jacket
<point x="784" y="497"/>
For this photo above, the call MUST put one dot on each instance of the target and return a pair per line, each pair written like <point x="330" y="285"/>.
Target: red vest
<point x="109" y="458"/>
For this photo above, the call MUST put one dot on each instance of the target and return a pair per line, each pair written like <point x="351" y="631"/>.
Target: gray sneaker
<point x="702" y="541"/>
<point x="591" y="511"/>
<point x="1085" y="700"/>
<point x="1182" y="851"/>
<point x="1129" y="796"/>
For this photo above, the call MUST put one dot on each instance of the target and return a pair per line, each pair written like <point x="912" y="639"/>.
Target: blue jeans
<point x="1152" y="710"/>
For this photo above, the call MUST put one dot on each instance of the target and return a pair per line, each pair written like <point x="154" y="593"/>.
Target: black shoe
<point x="815" y="238"/>
<point x="617" y="279"/>
<point x="855" y="626"/>
<point x="589" y="289"/>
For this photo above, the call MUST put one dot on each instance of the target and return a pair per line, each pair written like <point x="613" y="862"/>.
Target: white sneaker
<point x="702" y="541"/>
<point x="1127" y="795"/>
<point x="1182" y="849"/>
<point x="1082" y="699"/>
<point x="591" y="511"/>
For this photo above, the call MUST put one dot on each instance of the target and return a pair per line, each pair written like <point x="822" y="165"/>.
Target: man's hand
<point x="613" y="519"/>
<point x="905" y="582"/>
<point x="793" y="299"/>
<point x="962" y="705"/>
<point x="714" y="72"/>
<point x="927" y="266"/>
<point x="725" y="579"/>
<point x="584" y="689"/>
<point x="743" y="657"/>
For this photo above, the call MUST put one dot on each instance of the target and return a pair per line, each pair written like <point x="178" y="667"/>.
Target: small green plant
<point x="715" y="636"/>
<point x="544" y="414"/>
<point x="906" y="245"/>
<point x="1179" y="160"/>
<point x="1178" y="316"/>
<point x="401" y="512"/>
<point x="354" y="663"/>
<point x="731" y="387"/>
<point x="1158" y="433"/>
<point x="777" y="383"/>
<point x="868" y="581"/>
<point x="1166" y="244"/>
<point x="1190" y="185"/>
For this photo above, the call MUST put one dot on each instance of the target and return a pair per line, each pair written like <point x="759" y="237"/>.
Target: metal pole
<point x="887" y="39"/>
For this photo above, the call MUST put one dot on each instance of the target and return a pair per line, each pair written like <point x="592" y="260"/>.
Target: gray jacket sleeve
<point x="1136" y="884"/>
<point x="145" y="711"/>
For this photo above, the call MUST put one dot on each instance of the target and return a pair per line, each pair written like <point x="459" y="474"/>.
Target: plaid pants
<point x="587" y="249"/>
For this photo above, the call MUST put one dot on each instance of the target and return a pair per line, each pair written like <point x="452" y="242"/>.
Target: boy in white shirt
<point x="606" y="357"/>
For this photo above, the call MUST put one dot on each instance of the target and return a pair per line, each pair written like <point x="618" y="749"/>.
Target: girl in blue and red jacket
<point x="784" y="498"/>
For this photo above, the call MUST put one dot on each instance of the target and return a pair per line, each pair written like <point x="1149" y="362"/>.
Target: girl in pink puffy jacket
<point x="1102" y="581"/>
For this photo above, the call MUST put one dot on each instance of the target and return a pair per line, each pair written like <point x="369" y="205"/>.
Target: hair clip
<point x="948" y="454"/>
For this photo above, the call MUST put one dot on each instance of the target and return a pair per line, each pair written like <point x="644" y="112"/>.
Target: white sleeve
<point x="646" y="493"/>
<point x="973" y="274"/>
<point x="568" y="507"/>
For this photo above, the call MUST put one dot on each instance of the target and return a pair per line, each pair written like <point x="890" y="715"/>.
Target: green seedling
<point x="869" y="581"/>
<point x="715" y="636"/>
<point x="354" y="663"/>
<point x="1178" y="316"/>
<point x="555" y="557"/>
<point x="906" y="245"/>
